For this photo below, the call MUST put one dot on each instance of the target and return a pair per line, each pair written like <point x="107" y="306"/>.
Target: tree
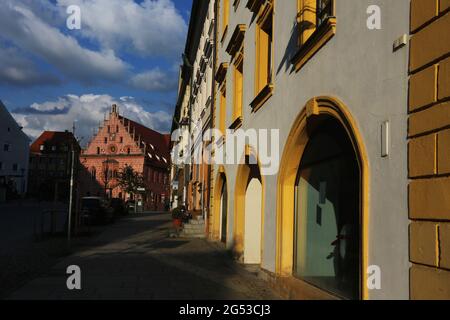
<point x="130" y="181"/>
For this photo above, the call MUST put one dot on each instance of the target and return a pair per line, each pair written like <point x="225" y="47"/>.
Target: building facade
<point x="193" y="115"/>
<point x="121" y="142"/>
<point x="14" y="153"/>
<point x="330" y="145"/>
<point x="429" y="149"/>
<point x="51" y="164"/>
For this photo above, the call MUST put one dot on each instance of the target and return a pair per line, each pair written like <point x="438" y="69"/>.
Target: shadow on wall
<point x="291" y="48"/>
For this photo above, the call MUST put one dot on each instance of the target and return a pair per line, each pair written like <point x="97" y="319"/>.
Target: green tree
<point x="130" y="181"/>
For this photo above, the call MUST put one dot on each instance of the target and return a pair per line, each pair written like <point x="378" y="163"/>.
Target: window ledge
<point x="317" y="40"/>
<point x="237" y="123"/>
<point x="262" y="97"/>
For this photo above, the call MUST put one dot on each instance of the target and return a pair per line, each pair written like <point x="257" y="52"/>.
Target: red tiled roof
<point x="52" y="138"/>
<point x="160" y="142"/>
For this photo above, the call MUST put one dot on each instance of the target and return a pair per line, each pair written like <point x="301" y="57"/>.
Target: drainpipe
<point x="213" y="104"/>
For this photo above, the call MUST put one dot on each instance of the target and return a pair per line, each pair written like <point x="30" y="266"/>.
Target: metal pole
<point x="71" y="197"/>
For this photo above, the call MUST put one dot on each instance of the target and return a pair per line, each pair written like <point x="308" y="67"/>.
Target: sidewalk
<point x="135" y="259"/>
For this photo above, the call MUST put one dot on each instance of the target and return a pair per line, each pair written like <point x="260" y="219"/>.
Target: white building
<point x="14" y="155"/>
<point x="193" y="114"/>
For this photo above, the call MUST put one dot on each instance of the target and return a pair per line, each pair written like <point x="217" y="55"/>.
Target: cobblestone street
<point x="136" y="259"/>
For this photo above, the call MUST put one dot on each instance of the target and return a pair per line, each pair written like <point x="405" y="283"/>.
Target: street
<point x="21" y="256"/>
<point x="136" y="259"/>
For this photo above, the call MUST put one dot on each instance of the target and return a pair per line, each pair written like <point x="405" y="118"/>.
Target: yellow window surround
<point x="264" y="56"/>
<point x="223" y="108"/>
<point x="238" y="89"/>
<point x="225" y="17"/>
<point x="312" y="37"/>
<point x="235" y="49"/>
<point x="220" y="77"/>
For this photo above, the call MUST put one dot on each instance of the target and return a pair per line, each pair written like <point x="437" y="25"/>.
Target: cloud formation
<point x="87" y="111"/>
<point x="155" y="80"/>
<point x="150" y="28"/>
<point x="16" y="70"/>
<point x="20" y="25"/>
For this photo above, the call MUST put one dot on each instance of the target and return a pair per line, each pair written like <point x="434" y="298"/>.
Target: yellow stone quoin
<point x="429" y="145"/>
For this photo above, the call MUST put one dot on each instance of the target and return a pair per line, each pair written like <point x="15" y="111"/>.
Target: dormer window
<point x="42" y="147"/>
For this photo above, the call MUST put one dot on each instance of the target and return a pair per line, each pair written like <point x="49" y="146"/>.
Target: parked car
<point x="118" y="206"/>
<point x="130" y="206"/>
<point x="97" y="210"/>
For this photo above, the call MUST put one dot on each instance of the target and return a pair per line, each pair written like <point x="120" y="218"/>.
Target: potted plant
<point x="177" y="217"/>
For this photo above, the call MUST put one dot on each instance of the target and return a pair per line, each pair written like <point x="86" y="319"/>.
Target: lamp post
<point x="71" y="187"/>
<point x="72" y="170"/>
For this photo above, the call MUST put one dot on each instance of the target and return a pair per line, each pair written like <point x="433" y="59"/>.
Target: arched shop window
<point x="327" y="226"/>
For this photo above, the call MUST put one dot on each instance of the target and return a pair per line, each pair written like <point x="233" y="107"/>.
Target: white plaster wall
<point x="18" y="151"/>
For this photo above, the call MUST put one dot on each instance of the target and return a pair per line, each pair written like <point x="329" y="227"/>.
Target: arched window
<point x="327" y="212"/>
<point x="93" y="173"/>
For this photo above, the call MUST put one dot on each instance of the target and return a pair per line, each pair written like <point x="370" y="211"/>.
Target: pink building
<point x="118" y="143"/>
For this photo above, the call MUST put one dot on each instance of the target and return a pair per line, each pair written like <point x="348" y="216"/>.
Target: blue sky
<point x="126" y="52"/>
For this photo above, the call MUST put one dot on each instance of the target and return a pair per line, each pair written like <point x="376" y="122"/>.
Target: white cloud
<point x="19" y="71"/>
<point x="88" y="111"/>
<point x="21" y="26"/>
<point x="155" y="80"/>
<point x="151" y="28"/>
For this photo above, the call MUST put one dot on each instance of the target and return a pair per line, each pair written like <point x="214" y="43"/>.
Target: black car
<point x="96" y="210"/>
<point x="118" y="206"/>
<point x="130" y="206"/>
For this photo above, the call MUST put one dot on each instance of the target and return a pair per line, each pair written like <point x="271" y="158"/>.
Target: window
<point x="6" y="147"/>
<point x="238" y="87"/>
<point x="53" y="148"/>
<point x="235" y="49"/>
<point x="15" y="167"/>
<point x="222" y="84"/>
<point x="109" y="129"/>
<point x="121" y="139"/>
<point x="42" y="147"/>
<point x="1" y="165"/>
<point x="324" y="11"/>
<point x="93" y="174"/>
<point x="316" y="26"/>
<point x="327" y="222"/>
<point x="106" y="140"/>
<point x="117" y="129"/>
<point x="264" y="56"/>
<point x="223" y="108"/>
<point x="98" y="150"/>
<point x="225" y="17"/>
